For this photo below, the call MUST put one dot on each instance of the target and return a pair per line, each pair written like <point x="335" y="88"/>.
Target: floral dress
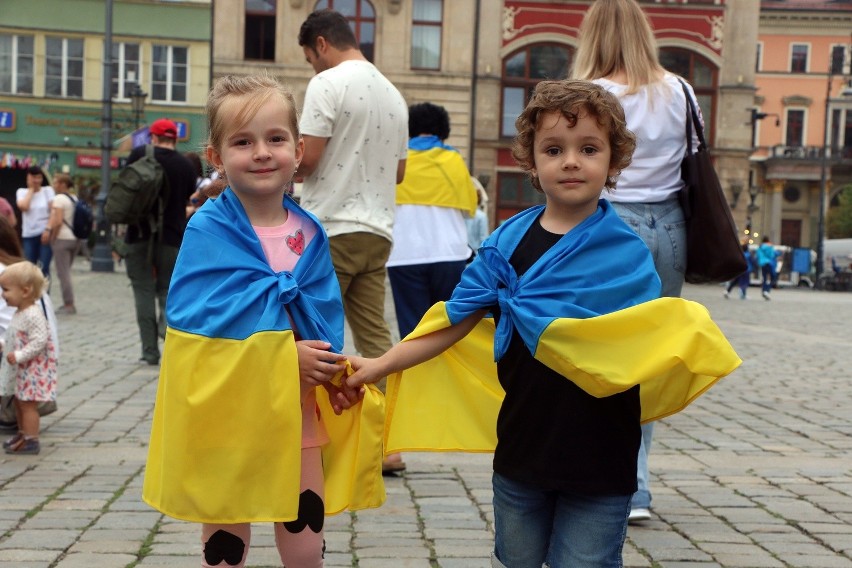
<point x="34" y="375"/>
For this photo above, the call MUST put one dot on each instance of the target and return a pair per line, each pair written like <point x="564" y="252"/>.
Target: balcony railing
<point x="810" y="152"/>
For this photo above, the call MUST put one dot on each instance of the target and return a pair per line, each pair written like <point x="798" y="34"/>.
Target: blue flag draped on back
<point x="226" y="437"/>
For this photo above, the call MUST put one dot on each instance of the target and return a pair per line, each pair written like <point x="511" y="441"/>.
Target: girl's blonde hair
<point x="26" y="274"/>
<point x="252" y="91"/>
<point x="616" y="36"/>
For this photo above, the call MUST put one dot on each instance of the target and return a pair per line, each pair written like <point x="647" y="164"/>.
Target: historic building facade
<point x="52" y="78"/>
<point x="803" y="110"/>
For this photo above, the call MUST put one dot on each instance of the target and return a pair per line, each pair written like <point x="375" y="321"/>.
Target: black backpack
<point x="83" y="219"/>
<point x="139" y="194"/>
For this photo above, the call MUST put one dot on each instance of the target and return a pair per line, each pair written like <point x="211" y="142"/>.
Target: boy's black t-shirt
<point x="551" y="433"/>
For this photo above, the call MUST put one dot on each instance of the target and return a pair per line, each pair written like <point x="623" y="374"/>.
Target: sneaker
<point x="12" y="441"/>
<point x="766" y="296"/>
<point x="727" y="295"/>
<point x="66" y="310"/>
<point x="9" y="426"/>
<point x="24" y="447"/>
<point x="638" y="515"/>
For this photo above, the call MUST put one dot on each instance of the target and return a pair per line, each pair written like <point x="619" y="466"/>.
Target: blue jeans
<point x="533" y="526"/>
<point x="768" y="274"/>
<point x="662" y="227"/>
<point x="38" y="253"/>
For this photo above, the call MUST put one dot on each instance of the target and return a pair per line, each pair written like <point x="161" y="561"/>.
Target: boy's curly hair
<point x="571" y="98"/>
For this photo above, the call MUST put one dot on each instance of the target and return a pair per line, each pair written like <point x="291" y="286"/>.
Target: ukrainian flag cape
<point x="435" y="174"/>
<point x="227" y="429"/>
<point x="588" y="309"/>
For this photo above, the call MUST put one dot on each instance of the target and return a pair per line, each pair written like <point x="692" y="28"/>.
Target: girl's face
<point x="571" y="162"/>
<point x="260" y="157"/>
<point x="13" y="293"/>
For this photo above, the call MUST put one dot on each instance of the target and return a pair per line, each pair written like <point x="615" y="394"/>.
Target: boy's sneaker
<point x="766" y="296"/>
<point x="24" y="447"/>
<point x="727" y="295"/>
<point x="638" y="515"/>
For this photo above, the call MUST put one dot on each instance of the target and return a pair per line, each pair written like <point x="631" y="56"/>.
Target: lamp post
<point x="137" y="103"/>
<point x="102" y="251"/>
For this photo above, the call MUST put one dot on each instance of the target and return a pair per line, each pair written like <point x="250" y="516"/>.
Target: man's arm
<point x="400" y="171"/>
<point x="314" y="148"/>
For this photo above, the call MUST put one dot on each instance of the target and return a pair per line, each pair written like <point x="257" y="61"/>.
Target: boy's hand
<point x="366" y="371"/>
<point x="318" y="365"/>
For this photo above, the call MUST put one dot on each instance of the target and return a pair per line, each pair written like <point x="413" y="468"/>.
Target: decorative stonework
<point x="296" y="4"/>
<point x="394" y="6"/>
<point x="509" y="30"/>
<point x="797" y="100"/>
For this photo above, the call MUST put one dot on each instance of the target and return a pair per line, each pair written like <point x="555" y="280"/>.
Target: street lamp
<point x="137" y="103"/>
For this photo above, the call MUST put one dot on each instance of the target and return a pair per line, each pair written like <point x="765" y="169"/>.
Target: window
<point x="522" y="70"/>
<point x="799" y="58"/>
<point x="260" y="30"/>
<point x="169" y="73"/>
<point x="125" y="69"/>
<point x="795" y="127"/>
<point x="514" y="194"/>
<point x="838" y="59"/>
<point x="362" y="19"/>
<point x="16" y="64"/>
<point x="702" y="75"/>
<point x="64" y="67"/>
<point x="426" y="34"/>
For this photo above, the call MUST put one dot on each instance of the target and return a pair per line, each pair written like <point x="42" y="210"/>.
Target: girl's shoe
<point x="12" y="441"/>
<point x="24" y="447"/>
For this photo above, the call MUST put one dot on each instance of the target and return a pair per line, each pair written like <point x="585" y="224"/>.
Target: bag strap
<point x="692" y="119"/>
<point x="74" y="203"/>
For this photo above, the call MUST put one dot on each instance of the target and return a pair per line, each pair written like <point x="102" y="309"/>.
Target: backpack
<point x="82" y="220"/>
<point x="133" y="197"/>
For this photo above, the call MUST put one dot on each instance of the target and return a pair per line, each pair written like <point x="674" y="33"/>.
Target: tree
<point x="840" y="218"/>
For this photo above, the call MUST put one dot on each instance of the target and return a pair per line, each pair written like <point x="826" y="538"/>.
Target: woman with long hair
<point x="35" y="201"/>
<point x="65" y="245"/>
<point x="617" y="50"/>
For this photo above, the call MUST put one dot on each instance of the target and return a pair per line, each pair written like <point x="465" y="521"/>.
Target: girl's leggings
<point x="300" y="543"/>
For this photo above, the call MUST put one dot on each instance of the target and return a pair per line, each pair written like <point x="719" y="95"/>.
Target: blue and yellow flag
<point x="588" y="309"/>
<point x="435" y="174"/>
<point x="227" y="429"/>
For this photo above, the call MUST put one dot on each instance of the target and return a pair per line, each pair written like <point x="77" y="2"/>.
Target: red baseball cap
<point x="164" y="127"/>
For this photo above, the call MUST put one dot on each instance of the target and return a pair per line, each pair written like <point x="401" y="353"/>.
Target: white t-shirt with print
<point x="365" y="119"/>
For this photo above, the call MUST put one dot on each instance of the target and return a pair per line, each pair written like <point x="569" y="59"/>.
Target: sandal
<point x="24" y="447"/>
<point x="12" y="441"/>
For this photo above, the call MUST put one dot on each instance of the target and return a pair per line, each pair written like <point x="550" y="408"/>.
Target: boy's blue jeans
<point x="564" y="529"/>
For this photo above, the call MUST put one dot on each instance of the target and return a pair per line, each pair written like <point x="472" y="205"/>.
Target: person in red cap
<point x="150" y="273"/>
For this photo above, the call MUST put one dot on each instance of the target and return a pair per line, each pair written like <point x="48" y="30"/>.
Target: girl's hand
<point x="10" y="358"/>
<point x="343" y="397"/>
<point x="366" y="371"/>
<point x="318" y="365"/>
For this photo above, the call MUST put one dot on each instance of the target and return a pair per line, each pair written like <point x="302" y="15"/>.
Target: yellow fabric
<point x="226" y="435"/>
<point x="437" y="177"/>
<point x="669" y="346"/>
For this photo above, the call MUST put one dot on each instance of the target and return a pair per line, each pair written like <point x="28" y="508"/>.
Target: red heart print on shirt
<point x="296" y="242"/>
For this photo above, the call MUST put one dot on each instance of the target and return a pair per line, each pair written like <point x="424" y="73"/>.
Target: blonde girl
<point x="254" y="326"/>
<point x="28" y="369"/>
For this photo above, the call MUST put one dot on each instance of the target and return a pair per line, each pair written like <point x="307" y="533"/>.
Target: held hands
<point x="366" y="371"/>
<point x="319" y="366"/>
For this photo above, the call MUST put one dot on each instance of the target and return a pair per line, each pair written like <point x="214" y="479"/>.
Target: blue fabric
<point x="222" y="266"/>
<point x="598" y="267"/>
<point x="423" y="143"/>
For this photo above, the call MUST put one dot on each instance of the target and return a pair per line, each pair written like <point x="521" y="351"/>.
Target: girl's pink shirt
<point x="283" y="246"/>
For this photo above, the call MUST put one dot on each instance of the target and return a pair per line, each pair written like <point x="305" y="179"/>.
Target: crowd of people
<point x="249" y="289"/>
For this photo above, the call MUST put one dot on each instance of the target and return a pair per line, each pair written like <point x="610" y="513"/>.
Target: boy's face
<point x="572" y="163"/>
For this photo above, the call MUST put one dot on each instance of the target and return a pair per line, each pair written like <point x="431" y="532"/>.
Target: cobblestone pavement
<point x="756" y="473"/>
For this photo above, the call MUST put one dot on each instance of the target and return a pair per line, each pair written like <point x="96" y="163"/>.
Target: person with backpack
<point x="63" y="240"/>
<point x="153" y="242"/>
